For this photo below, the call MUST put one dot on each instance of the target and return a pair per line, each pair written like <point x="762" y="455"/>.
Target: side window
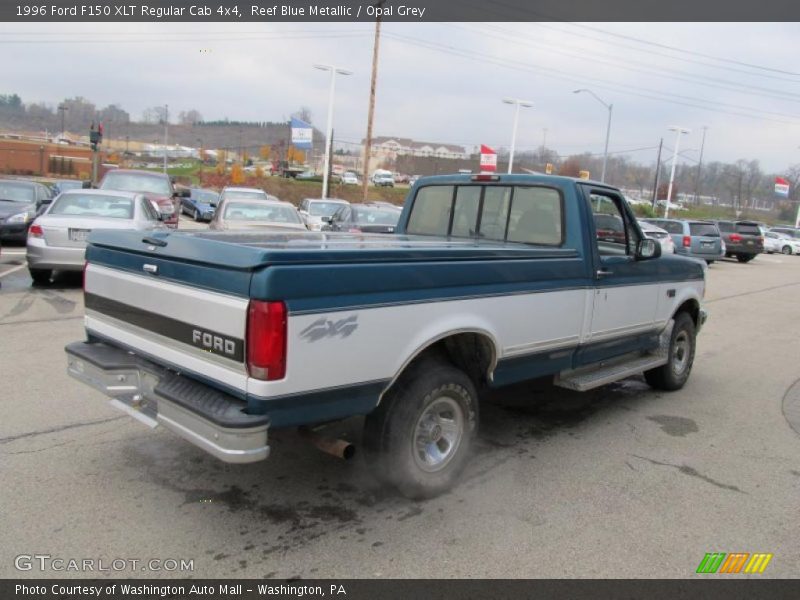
<point x="613" y="237"/>
<point x="494" y="216"/>
<point x="725" y="226"/>
<point x="465" y="213"/>
<point x="673" y="227"/>
<point x="430" y="214"/>
<point x="535" y="216"/>
<point x="148" y="210"/>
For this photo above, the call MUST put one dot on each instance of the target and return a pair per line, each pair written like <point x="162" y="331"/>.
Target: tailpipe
<point x="333" y="446"/>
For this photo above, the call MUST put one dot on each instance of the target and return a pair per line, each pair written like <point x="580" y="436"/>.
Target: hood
<point x="12" y="208"/>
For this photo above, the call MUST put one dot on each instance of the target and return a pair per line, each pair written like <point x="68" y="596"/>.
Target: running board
<point x="587" y="378"/>
<point x="583" y="380"/>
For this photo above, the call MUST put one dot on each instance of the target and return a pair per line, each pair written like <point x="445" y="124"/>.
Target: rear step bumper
<point x="206" y="417"/>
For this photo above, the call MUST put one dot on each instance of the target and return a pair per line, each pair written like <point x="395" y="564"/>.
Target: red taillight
<point x="485" y="177"/>
<point x="353" y="230"/>
<point x="266" y="340"/>
<point x="736" y="238"/>
<point x="687" y="241"/>
<point x="35" y="231"/>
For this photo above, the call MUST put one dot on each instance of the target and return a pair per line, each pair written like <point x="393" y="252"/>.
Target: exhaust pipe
<point x="335" y="447"/>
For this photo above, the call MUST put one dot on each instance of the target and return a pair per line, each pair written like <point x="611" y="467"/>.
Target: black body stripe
<point x="215" y="343"/>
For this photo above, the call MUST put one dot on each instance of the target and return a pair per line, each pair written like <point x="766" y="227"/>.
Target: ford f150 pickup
<point x="490" y="280"/>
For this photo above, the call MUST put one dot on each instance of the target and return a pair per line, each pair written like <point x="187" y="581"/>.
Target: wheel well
<point x="692" y="307"/>
<point x="473" y="353"/>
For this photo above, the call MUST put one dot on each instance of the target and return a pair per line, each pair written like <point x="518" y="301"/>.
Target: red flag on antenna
<point x="488" y="159"/>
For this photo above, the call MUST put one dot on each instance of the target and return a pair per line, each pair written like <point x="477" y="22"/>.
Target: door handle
<point x="604" y="272"/>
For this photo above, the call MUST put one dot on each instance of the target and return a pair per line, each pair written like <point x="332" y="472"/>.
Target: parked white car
<point x="660" y="235"/>
<point x="780" y="242"/>
<point x="313" y="210"/>
<point x="350" y="178"/>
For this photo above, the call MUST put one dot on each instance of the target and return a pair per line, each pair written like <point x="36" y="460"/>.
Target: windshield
<point x="323" y="209"/>
<point x="366" y="216"/>
<point x="69" y="185"/>
<point x="748" y="229"/>
<point x="704" y="229"/>
<point x="93" y="205"/>
<point x="245" y="195"/>
<point x="136" y="182"/>
<point x="250" y="211"/>
<point x="17" y="192"/>
<point x="204" y="196"/>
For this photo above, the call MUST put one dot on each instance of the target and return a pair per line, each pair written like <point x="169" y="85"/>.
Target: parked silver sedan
<point x="57" y="238"/>
<point x="256" y="214"/>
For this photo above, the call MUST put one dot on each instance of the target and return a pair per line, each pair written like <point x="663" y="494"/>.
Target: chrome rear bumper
<point x="206" y="417"/>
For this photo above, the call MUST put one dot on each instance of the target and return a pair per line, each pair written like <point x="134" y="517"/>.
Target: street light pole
<point x="517" y="102"/>
<point x="329" y="127"/>
<point x="63" y="110"/>
<point x="678" y="131"/>
<point x="610" y="108"/>
<point x="166" y="134"/>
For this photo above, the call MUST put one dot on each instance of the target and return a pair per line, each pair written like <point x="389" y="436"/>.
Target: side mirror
<point x="648" y="249"/>
<point x="87" y="185"/>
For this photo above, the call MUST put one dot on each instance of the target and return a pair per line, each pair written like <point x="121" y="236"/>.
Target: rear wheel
<point x="419" y="437"/>
<point x="786" y="250"/>
<point x="41" y="276"/>
<point x="196" y="215"/>
<point x="673" y="375"/>
<point x="745" y="258"/>
<point x="709" y="262"/>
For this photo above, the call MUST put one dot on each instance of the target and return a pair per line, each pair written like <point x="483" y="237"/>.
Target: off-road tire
<point x="682" y="344"/>
<point x="392" y="429"/>
<point x="41" y="276"/>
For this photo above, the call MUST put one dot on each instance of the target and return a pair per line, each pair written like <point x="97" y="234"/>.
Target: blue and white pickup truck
<point x="490" y="280"/>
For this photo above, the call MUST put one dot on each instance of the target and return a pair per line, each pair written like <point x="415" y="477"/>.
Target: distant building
<point x="389" y="148"/>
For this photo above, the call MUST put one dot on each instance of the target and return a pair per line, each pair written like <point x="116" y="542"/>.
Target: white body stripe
<point x="325" y="352"/>
<point x="209" y="310"/>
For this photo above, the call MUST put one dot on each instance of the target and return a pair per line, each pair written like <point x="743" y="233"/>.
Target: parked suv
<point x="697" y="239"/>
<point x="743" y="239"/>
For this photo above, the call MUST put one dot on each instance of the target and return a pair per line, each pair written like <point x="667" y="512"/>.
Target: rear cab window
<point x="703" y="229"/>
<point x="513" y="213"/>
<point x="748" y="228"/>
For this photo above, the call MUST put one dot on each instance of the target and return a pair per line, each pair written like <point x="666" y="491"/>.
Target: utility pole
<point x="371" y="113"/>
<point x="658" y="173"/>
<point x="166" y="135"/>
<point x="699" y="166"/>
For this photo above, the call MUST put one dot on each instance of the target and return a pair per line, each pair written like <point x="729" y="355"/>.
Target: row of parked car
<point x="712" y="240"/>
<point x="55" y="221"/>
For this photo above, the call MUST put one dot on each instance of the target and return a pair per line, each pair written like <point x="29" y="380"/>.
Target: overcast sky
<point x="444" y="82"/>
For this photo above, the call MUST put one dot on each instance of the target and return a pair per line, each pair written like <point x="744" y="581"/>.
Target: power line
<point x="604" y="84"/>
<point x="713" y="82"/>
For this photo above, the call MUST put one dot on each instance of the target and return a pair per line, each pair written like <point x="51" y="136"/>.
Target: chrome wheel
<point x="681" y="349"/>
<point x="438" y="434"/>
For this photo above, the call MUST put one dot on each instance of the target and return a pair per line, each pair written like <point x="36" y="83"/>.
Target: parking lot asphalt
<point x="620" y="482"/>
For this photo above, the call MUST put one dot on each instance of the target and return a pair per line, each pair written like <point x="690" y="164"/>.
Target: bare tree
<point x="189" y="117"/>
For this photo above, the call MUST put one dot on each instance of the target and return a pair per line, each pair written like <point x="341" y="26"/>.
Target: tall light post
<point x="62" y="108"/>
<point x="329" y="128"/>
<point x="678" y="131"/>
<point x="166" y="135"/>
<point x="517" y="102"/>
<point x="610" y="108"/>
